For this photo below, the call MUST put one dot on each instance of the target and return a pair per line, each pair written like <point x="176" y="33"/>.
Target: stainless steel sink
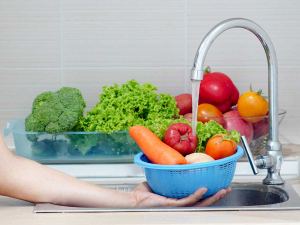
<point x="254" y="195"/>
<point x="243" y="197"/>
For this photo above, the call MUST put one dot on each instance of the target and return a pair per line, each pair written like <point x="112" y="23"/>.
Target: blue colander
<point x="179" y="181"/>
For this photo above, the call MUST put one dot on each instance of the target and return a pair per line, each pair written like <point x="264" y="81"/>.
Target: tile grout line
<point x="61" y="44"/>
<point x="30" y="68"/>
<point x="141" y="67"/>
<point x="185" y="45"/>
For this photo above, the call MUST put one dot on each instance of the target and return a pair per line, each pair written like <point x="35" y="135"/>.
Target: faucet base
<point x="272" y="162"/>
<point x="273" y="179"/>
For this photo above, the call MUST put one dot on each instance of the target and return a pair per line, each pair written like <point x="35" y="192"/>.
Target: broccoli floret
<point x="83" y="143"/>
<point x="54" y="112"/>
<point x="40" y="99"/>
<point x="49" y="148"/>
<point x="43" y="148"/>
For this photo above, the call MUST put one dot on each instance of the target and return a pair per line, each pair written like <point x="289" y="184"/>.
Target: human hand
<point x="144" y="197"/>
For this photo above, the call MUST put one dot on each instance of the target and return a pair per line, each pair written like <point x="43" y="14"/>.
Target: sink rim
<point x="293" y="202"/>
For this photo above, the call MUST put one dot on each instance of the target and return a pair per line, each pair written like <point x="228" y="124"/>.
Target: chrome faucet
<point x="273" y="159"/>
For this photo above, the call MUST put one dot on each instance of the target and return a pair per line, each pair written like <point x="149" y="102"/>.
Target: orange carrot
<point x="156" y="151"/>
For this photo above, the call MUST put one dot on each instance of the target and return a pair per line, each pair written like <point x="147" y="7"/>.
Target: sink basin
<point x="243" y="197"/>
<point x="253" y="195"/>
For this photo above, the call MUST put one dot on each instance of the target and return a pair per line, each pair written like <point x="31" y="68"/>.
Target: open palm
<point x="146" y="198"/>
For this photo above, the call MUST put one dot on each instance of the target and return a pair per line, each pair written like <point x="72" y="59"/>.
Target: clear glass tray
<point x="72" y="147"/>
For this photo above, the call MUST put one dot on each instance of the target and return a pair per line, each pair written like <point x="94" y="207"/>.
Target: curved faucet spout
<point x="273" y="146"/>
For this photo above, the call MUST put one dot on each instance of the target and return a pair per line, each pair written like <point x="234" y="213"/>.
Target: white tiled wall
<point x="45" y="45"/>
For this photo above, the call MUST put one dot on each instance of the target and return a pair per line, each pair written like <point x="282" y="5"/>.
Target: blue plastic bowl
<point x="179" y="181"/>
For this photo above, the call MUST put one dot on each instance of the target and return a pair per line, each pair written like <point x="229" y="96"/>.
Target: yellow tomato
<point x="252" y="104"/>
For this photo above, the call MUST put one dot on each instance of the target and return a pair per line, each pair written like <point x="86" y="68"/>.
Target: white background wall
<point x="45" y="45"/>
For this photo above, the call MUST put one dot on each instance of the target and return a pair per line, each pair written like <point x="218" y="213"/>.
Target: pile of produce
<point x="219" y="100"/>
<point x="104" y="130"/>
<point x="119" y="108"/>
<point x="179" y="145"/>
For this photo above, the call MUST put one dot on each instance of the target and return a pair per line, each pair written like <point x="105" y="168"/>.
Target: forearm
<point x="25" y="179"/>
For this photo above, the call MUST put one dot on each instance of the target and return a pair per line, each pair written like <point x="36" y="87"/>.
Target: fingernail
<point x="222" y="196"/>
<point x="204" y="191"/>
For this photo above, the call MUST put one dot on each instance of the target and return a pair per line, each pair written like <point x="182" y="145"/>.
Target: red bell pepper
<point x="179" y="136"/>
<point x="218" y="89"/>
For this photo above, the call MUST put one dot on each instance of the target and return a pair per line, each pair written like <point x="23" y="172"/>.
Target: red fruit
<point x="184" y="103"/>
<point x="218" y="89"/>
<point x="188" y="117"/>
<point x="260" y="129"/>
<point x="267" y="118"/>
<point x="233" y="108"/>
<point x="233" y="121"/>
<point x="179" y="136"/>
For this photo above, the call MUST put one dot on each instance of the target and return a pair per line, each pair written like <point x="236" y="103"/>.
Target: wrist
<point x="131" y="199"/>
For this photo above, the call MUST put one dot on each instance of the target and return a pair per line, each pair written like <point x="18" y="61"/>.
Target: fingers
<point x="228" y="190"/>
<point x="145" y="197"/>
<point x="213" y="199"/>
<point x="188" y="201"/>
<point x="193" y="199"/>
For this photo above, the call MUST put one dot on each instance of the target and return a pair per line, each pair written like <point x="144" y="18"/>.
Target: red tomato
<point x="208" y="110"/>
<point x="220" y="146"/>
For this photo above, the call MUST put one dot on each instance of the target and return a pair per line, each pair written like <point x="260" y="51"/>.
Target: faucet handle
<point x="249" y="155"/>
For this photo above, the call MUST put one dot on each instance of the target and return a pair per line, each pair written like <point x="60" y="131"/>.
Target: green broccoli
<point x="40" y="100"/>
<point x="54" y="112"/>
<point x="83" y="143"/>
<point x="49" y="148"/>
<point x="43" y="148"/>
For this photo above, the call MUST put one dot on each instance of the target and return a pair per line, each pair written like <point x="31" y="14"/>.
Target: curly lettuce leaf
<point x="235" y="136"/>
<point x="129" y="104"/>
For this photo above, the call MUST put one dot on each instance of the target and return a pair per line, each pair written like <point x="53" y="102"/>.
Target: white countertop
<point x="24" y="215"/>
